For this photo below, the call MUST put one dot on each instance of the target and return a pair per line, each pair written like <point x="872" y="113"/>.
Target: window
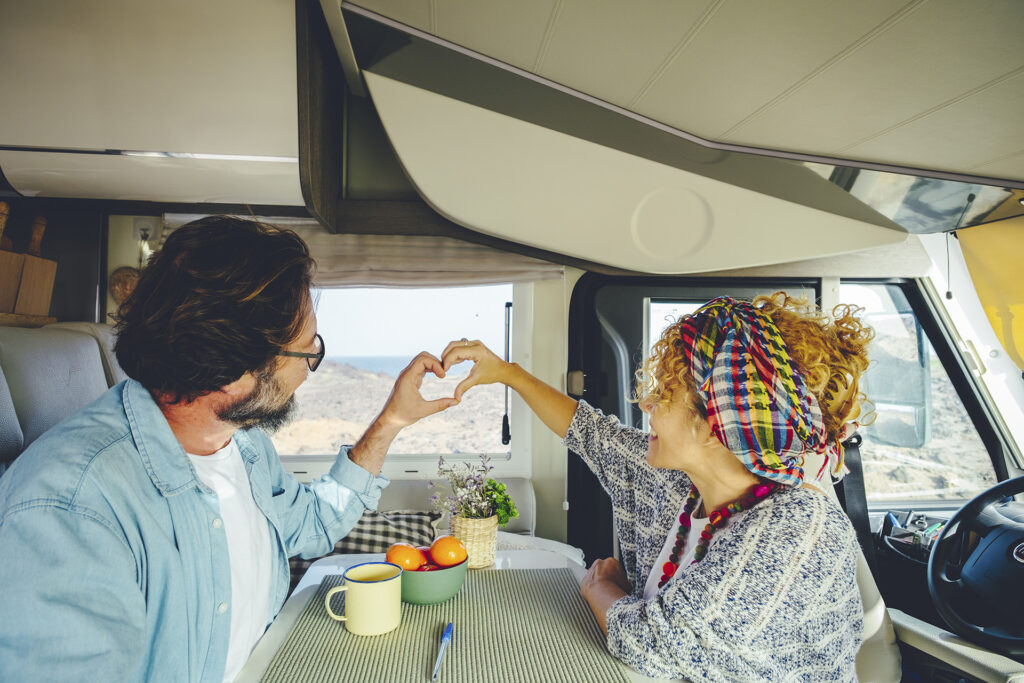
<point x="658" y="315"/>
<point x="923" y="445"/>
<point x="371" y="334"/>
<point x="661" y="314"/>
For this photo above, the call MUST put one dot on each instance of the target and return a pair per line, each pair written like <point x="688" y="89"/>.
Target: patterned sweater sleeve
<point x="611" y="450"/>
<point x="775" y="599"/>
<point x="616" y="455"/>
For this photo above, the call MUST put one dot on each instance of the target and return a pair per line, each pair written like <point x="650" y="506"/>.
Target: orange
<point x="407" y="556"/>
<point x="447" y="551"/>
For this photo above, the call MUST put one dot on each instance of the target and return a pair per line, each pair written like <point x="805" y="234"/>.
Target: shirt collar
<point x="162" y="455"/>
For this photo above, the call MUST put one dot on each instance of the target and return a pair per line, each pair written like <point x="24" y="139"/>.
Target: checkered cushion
<point x="376" y="532"/>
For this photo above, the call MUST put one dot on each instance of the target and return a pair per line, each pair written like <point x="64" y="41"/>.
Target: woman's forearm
<point x="601" y="596"/>
<point x="554" y="408"/>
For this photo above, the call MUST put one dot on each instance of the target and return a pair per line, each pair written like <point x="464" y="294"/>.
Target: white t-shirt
<point x="697" y="525"/>
<point x="248" y="536"/>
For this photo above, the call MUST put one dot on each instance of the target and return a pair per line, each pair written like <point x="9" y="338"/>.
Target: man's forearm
<point x="373" y="445"/>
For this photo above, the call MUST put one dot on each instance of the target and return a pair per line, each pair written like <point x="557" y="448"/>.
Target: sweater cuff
<point x="614" y="623"/>
<point x="350" y="475"/>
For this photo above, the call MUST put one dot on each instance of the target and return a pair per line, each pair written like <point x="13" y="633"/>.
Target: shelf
<point x="19" y="320"/>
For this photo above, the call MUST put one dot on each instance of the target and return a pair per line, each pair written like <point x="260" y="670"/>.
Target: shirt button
<point x="217" y="523"/>
<point x="222" y="608"/>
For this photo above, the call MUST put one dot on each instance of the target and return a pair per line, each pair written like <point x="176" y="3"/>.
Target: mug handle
<point x="327" y="602"/>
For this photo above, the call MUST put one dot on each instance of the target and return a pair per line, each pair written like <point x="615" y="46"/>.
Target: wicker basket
<point x="479" y="536"/>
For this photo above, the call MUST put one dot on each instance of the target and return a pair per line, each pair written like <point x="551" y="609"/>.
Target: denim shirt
<point x="113" y="557"/>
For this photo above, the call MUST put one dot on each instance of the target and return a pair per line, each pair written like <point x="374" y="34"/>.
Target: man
<point x="148" y="536"/>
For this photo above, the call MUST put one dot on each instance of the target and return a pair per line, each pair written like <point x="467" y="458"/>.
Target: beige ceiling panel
<point x="937" y="53"/>
<point x="188" y="76"/>
<point x="415" y="13"/>
<point x="964" y="135"/>
<point x="159" y="179"/>
<point x="512" y="32"/>
<point x="594" y="46"/>
<point x="512" y="179"/>
<point x="1010" y="166"/>
<point x="734" y="64"/>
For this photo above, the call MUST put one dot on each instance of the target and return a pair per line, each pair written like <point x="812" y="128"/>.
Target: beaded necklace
<point x="716" y="520"/>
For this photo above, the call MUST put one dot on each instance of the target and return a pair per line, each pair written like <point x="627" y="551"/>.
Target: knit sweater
<point x="775" y="598"/>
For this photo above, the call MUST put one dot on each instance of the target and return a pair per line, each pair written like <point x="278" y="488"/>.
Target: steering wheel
<point x="976" y="587"/>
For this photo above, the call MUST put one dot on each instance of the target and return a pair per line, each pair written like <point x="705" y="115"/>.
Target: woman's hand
<point x="608" y="570"/>
<point x="487" y="367"/>
<point x="405" y="406"/>
<point x="554" y="408"/>
<point x="604" y="583"/>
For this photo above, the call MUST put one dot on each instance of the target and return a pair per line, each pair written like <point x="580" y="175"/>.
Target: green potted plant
<point x="477" y="504"/>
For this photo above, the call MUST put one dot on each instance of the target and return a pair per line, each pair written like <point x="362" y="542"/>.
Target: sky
<point x="403" y="322"/>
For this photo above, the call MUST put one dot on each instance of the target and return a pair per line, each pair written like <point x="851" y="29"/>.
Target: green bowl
<point x="430" y="588"/>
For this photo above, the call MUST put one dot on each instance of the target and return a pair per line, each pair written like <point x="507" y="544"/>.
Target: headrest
<point x="50" y="373"/>
<point x="104" y="334"/>
<point x="12" y="441"/>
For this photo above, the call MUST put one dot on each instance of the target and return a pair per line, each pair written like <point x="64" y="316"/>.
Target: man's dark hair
<point x="221" y="298"/>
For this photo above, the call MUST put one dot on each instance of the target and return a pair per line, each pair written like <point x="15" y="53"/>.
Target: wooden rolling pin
<point x="36" y="242"/>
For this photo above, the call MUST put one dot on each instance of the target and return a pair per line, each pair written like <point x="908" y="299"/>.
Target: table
<point x="336" y="564"/>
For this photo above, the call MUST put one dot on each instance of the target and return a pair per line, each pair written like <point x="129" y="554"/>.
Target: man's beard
<point x="262" y="408"/>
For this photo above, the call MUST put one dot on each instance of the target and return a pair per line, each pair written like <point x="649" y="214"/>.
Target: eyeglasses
<point x="313" y="360"/>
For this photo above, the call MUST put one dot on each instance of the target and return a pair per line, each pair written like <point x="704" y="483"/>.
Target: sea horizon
<point x="388" y="365"/>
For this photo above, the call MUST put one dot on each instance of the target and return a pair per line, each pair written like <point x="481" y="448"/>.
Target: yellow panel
<point x="993" y="254"/>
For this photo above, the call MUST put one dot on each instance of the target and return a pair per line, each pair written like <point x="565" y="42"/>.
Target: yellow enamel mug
<point x="373" y="598"/>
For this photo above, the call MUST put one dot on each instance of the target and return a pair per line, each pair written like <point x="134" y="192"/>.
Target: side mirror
<point x="899" y="380"/>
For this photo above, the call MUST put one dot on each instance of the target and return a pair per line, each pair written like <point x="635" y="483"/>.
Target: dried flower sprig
<point x="473" y="494"/>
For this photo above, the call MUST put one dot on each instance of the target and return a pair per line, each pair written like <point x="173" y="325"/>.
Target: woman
<point x="731" y="570"/>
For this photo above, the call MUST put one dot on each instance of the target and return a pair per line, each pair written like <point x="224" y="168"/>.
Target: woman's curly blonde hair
<point x="830" y="352"/>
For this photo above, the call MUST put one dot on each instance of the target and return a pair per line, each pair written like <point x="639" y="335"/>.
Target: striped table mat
<point x="510" y="625"/>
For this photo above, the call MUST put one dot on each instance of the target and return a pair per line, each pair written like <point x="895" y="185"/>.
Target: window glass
<point x="661" y="314"/>
<point x="923" y="445"/>
<point x="658" y="315"/>
<point x="371" y="334"/>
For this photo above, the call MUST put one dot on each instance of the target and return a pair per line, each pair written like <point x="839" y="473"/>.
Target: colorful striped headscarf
<point x="758" y="404"/>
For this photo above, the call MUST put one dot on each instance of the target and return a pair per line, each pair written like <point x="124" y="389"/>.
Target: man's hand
<point x="604" y="583"/>
<point x="406" y="405"/>
<point x="487" y="367"/>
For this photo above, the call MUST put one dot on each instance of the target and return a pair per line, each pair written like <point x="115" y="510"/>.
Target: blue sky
<point x="403" y="322"/>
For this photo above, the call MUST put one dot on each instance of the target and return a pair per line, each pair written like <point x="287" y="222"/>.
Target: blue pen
<point x="445" y="640"/>
<point x="892" y="520"/>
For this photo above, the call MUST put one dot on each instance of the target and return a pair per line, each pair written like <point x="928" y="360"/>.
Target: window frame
<point x="400" y="466"/>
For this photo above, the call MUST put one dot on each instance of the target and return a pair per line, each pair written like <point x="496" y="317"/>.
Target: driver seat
<point x="879" y="657"/>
